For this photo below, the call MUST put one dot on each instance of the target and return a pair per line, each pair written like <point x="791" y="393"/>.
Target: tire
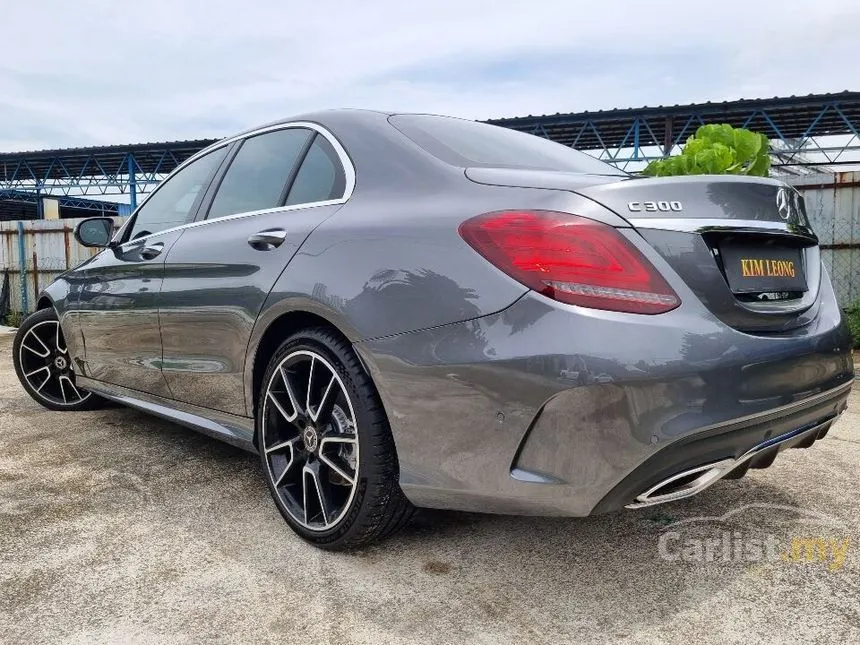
<point x="44" y="367"/>
<point x="325" y="444"/>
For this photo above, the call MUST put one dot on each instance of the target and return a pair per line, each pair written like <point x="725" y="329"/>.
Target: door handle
<point x="153" y="250"/>
<point x="267" y="240"/>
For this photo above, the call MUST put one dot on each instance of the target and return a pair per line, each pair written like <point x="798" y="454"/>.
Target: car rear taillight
<point x="570" y="259"/>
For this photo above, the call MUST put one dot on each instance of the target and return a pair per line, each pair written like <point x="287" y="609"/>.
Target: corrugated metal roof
<point x="734" y="103"/>
<point x="122" y="147"/>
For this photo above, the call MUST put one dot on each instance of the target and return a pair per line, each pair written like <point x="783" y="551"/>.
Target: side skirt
<point x="238" y="431"/>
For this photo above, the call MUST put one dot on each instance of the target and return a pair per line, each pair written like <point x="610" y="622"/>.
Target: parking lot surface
<point x="117" y="527"/>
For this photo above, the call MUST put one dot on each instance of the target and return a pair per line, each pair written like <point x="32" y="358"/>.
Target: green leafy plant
<point x="852" y="317"/>
<point x="14" y="319"/>
<point x="717" y="150"/>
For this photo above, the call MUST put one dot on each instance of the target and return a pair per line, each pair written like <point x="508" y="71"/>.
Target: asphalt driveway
<point x="116" y="527"/>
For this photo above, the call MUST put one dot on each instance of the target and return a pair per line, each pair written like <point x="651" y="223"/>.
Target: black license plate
<point x="756" y="268"/>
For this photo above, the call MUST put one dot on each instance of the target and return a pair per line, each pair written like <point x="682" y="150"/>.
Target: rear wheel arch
<point x="279" y="329"/>
<point x="353" y="420"/>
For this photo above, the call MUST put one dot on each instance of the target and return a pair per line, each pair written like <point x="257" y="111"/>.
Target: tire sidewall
<point x="316" y="342"/>
<point x="38" y="317"/>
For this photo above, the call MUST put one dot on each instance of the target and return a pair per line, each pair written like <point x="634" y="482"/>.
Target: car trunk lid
<point x="743" y="245"/>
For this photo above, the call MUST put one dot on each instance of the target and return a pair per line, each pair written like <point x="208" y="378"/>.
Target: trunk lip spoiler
<point x="692" y="225"/>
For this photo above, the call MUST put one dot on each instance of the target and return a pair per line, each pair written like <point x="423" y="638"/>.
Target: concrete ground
<point x="116" y="527"/>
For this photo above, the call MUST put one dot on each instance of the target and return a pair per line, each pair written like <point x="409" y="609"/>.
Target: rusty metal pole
<point x="66" y="245"/>
<point x="668" y="137"/>
<point x="35" y="273"/>
<point x="22" y="266"/>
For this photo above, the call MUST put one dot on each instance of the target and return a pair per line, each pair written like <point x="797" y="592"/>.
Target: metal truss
<point x="819" y="130"/>
<point x="814" y="131"/>
<point x="108" y="170"/>
<point x="95" y="177"/>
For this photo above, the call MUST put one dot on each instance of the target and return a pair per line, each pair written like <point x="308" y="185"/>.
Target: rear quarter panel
<point x="386" y="266"/>
<point x="392" y="266"/>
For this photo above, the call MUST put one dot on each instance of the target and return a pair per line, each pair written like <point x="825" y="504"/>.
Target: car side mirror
<point x="95" y="232"/>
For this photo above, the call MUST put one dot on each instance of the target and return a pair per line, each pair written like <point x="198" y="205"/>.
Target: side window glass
<point x="320" y="177"/>
<point x="258" y="173"/>
<point x="172" y="203"/>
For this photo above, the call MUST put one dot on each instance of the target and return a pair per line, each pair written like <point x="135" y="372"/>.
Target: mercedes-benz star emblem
<point x="784" y="203"/>
<point x="309" y="436"/>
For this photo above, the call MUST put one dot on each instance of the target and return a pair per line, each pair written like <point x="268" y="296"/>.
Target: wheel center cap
<point x="60" y="363"/>
<point x="310" y="438"/>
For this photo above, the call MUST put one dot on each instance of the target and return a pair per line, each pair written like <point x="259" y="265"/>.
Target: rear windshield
<point x="469" y="144"/>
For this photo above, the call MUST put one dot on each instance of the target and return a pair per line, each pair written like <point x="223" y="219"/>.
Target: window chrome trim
<point x="346" y="162"/>
<point x="204" y="222"/>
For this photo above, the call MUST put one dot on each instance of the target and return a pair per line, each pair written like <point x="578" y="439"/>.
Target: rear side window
<point x="320" y="177"/>
<point x="464" y="143"/>
<point x="258" y="174"/>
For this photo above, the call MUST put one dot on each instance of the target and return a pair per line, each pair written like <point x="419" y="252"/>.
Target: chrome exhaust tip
<point x="694" y="480"/>
<point x="685" y="484"/>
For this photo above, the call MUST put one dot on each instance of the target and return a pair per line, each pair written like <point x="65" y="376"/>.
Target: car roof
<point x="322" y="116"/>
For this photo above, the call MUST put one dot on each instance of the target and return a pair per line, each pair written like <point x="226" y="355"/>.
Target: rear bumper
<point x="726" y="450"/>
<point x="546" y="409"/>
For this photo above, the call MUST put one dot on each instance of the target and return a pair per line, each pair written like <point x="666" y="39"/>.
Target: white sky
<point x="88" y="73"/>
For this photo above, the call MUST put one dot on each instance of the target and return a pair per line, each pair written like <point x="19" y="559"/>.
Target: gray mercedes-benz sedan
<point x="405" y="310"/>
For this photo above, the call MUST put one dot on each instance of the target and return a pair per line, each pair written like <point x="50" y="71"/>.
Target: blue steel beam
<point x="132" y="181"/>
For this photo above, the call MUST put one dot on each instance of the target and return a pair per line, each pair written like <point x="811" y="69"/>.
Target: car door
<point x="280" y="184"/>
<point x="117" y="299"/>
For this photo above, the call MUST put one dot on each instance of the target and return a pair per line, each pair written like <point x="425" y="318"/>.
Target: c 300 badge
<point x="653" y="207"/>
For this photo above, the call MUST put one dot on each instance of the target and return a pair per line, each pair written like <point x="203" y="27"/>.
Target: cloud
<point x="88" y="73"/>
